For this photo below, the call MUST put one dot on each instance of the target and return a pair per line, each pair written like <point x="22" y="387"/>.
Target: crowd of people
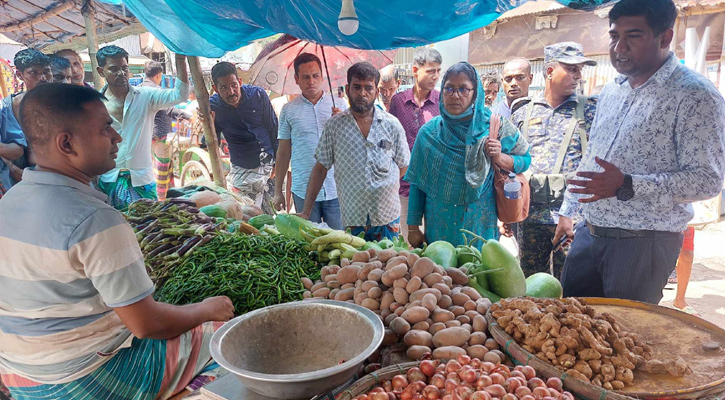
<point x="614" y="175"/>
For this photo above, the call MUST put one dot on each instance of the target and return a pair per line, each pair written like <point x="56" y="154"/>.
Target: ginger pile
<point x="570" y="335"/>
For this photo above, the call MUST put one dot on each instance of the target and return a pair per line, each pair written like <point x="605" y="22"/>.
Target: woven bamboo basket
<point x="373" y="379"/>
<point x="671" y="320"/>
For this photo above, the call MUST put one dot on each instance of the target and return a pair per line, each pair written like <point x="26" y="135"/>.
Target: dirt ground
<point x="706" y="291"/>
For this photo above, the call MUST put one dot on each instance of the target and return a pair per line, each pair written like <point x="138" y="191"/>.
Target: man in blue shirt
<point x="244" y="115"/>
<point x="33" y="68"/>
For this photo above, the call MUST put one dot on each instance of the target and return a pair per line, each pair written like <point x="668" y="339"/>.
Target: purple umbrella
<point x="274" y="67"/>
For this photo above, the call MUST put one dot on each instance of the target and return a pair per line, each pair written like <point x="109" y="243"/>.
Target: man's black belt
<point x="619" y="233"/>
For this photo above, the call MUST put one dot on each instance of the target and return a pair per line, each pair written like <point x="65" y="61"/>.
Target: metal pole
<point x="89" y="16"/>
<point x="212" y="144"/>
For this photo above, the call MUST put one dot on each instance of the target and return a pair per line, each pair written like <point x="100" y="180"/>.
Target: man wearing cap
<point x="556" y="124"/>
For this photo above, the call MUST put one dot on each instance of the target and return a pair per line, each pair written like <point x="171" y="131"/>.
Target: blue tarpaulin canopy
<point x="209" y="28"/>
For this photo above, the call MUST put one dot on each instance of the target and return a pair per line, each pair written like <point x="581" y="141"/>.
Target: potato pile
<point x="570" y="335"/>
<point x="426" y="306"/>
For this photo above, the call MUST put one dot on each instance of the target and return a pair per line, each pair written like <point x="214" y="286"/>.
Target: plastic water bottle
<point x="512" y="187"/>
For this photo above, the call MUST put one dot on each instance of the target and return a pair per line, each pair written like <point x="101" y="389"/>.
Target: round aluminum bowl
<point x="300" y="349"/>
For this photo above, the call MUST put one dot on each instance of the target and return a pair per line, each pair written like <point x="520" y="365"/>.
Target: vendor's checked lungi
<point x="163" y="170"/>
<point x="149" y="369"/>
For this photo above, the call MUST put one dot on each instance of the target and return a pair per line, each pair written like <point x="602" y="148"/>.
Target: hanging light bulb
<point x="347" y="22"/>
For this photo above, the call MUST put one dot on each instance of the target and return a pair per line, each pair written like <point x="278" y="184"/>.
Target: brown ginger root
<point x="589" y="354"/>
<point x="608" y="372"/>
<point x="625" y="375"/>
<point x="577" y="374"/>
<point x="584" y="368"/>
<point x="617" y="385"/>
<point x="595" y="365"/>
<point x="566" y="360"/>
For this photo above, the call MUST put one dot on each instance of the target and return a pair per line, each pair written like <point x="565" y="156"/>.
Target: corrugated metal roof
<point x="532" y="7"/>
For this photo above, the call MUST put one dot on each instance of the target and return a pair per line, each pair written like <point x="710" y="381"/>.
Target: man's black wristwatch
<point x="626" y="191"/>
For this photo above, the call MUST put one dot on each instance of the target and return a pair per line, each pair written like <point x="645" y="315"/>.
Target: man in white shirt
<point x="300" y="128"/>
<point x="656" y="145"/>
<point x="133" y="110"/>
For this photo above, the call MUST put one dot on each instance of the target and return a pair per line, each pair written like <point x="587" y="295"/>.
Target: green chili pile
<point x="253" y="271"/>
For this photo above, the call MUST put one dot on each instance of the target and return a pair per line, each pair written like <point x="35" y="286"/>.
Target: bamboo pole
<point x="69" y="4"/>
<point x="212" y="144"/>
<point x="89" y="15"/>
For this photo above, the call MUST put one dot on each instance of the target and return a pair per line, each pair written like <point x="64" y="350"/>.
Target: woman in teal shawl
<point x="451" y="166"/>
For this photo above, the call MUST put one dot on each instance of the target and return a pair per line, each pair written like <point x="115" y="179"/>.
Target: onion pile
<point x="468" y="379"/>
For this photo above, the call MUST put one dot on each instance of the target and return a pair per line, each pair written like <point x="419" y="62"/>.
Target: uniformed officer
<point x="556" y="124"/>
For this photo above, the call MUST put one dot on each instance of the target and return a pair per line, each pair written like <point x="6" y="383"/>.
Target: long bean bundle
<point x="253" y="271"/>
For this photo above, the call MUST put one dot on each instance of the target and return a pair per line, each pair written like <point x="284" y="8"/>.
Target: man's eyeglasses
<point x="462" y="91"/>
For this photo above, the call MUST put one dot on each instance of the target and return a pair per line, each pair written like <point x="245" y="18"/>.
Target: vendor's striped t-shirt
<point x="66" y="259"/>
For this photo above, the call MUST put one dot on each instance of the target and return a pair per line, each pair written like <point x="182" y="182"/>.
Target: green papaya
<point x="543" y="285"/>
<point x="510" y="280"/>
<point x="443" y="253"/>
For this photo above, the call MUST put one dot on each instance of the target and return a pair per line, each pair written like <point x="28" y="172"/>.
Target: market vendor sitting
<point x="77" y="316"/>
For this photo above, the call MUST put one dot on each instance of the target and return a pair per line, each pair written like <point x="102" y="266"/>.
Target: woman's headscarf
<point x="449" y="142"/>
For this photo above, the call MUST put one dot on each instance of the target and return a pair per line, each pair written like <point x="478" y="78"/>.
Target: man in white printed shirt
<point x="657" y="144"/>
<point x="370" y="153"/>
<point x="133" y="110"/>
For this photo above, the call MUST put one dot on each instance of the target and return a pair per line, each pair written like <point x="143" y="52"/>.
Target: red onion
<point x="387" y="386"/>
<point x="554" y="383"/>
<point x="438" y="381"/>
<point x="381" y="396"/>
<point x="431" y="392"/>
<point x="391" y="396"/>
<point x="399" y="382"/>
<point x="529" y="372"/>
<point x="535" y="382"/>
<point x="522" y="391"/>
<point x="476" y="363"/>
<point x="450" y="386"/>
<point x="453" y="366"/>
<point x="480" y="395"/>
<point x="497" y="379"/>
<point x="447" y="397"/>
<point x="540" y="392"/>
<point x="527" y="397"/>
<point x="496" y="391"/>
<point x="518" y="374"/>
<point x="429" y="367"/>
<point x="509" y="396"/>
<point x="454" y="377"/>
<point x="483" y="382"/>
<point x="416" y="375"/>
<point x="464" y="391"/>
<point x="487" y="366"/>
<point x="554" y="393"/>
<point x="512" y="384"/>
<point x="470" y="375"/>
<point x="463" y="359"/>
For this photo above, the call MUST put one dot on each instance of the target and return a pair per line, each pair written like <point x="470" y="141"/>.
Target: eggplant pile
<point x="170" y="231"/>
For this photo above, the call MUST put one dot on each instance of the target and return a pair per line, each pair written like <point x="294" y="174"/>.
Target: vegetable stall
<point x="465" y="311"/>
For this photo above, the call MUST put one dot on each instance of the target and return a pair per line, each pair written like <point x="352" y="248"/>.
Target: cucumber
<point x="510" y="281"/>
